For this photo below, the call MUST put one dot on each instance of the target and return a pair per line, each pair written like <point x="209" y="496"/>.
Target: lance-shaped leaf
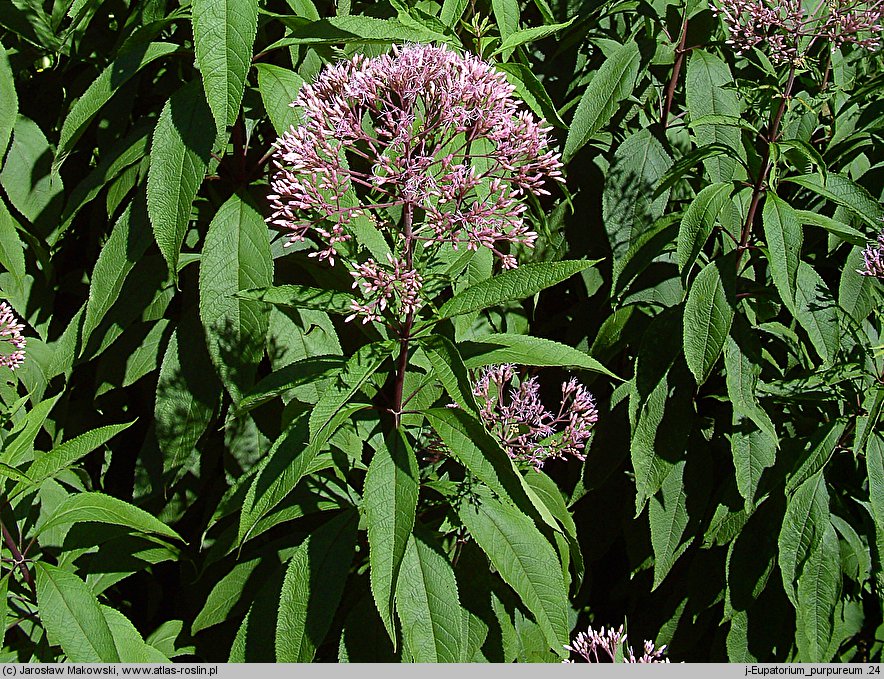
<point x="843" y="191"/>
<point x="389" y="502"/>
<point x="477" y="450"/>
<point x="819" y="589"/>
<point x="111" y="79"/>
<point x="753" y="451"/>
<point x="179" y="157"/>
<point x="8" y="102"/>
<point x="451" y="371"/>
<point x="668" y="518"/>
<point x="698" y="220"/>
<point x="187" y="393"/>
<point x="610" y="85"/>
<point x="527" y="35"/>
<point x="101" y="508"/>
<point x="279" y="87"/>
<point x="313" y="585"/>
<point x="742" y="364"/>
<point x="815" y="310"/>
<point x="499" y="348"/>
<point x="302" y="297"/>
<point x="525" y="560"/>
<point x="527" y="280"/>
<point x="361" y="366"/>
<point x="128" y="241"/>
<point x="708" y="314"/>
<point x="805" y="521"/>
<point x="47" y="465"/>
<point x="72" y="618"/>
<point x="223" y="34"/>
<point x="428" y="604"/>
<point x="875" y="471"/>
<point x="784" y="237"/>
<point x="236" y="256"/>
<point x="290" y="459"/>
<point x="305" y="371"/>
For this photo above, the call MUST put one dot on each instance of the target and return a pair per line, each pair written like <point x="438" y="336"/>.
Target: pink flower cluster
<point x="10" y="331"/>
<point x="385" y="287"/>
<point x="525" y="428"/>
<point x="588" y="645"/>
<point x="873" y="259"/>
<point x="790" y="27"/>
<point x="423" y="132"/>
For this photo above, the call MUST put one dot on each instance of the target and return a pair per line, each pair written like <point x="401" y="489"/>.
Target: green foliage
<point x="198" y="423"/>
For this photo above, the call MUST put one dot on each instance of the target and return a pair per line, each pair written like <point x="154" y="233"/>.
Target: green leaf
<point x="526" y="561"/>
<point x="128" y="642"/>
<point x="305" y="371"/>
<point x="167" y="639"/>
<point x="742" y="368"/>
<point x="533" y="34"/>
<point x="389" y="502"/>
<point x="532" y="91"/>
<point x="708" y="314"/>
<point x="499" y="348"/>
<point x="236" y="256"/>
<point x="819" y="589"/>
<point x="187" y="394"/>
<point x="32" y="186"/>
<point x="628" y="200"/>
<point x="805" y="521"/>
<point x="314" y="582"/>
<point x="506" y="15"/>
<point x="49" y="464"/>
<point x="698" y="220"/>
<point x="668" y="518"/>
<point x="856" y="293"/>
<point x="100" y="508"/>
<point x="111" y="79"/>
<point x="128" y="241"/>
<point x="823" y="445"/>
<point x="784" y="237"/>
<point x="18" y="446"/>
<point x="428" y="605"/>
<point x="612" y="83"/>
<point x="477" y="450"/>
<point x="753" y="451"/>
<point x="179" y="158"/>
<point x="527" y="280"/>
<point x="223" y="34"/>
<point x="846" y="233"/>
<point x="452" y="11"/>
<point x="290" y="459"/>
<point x="72" y="618"/>
<point x="451" y="371"/>
<point x="875" y="471"/>
<point x="355" y="29"/>
<point x="841" y="190"/>
<point x="707" y="93"/>
<point x="279" y="87"/>
<point x="362" y="365"/>
<point x="815" y="310"/>
<point x="8" y="102"/>
<point x="302" y="297"/>
<point x="12" y="252"/>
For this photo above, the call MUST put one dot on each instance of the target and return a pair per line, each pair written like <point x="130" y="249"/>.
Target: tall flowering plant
<point x="402" y="168"/>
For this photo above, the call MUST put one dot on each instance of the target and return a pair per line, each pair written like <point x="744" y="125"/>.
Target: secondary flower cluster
<point x="790" y="27"/>
<point x="873" y="259"/>
<point x="424" y="142"/>
<point x="10" y="331"/>
<point x="602" y="647"/>
<point x="528" y="431"/>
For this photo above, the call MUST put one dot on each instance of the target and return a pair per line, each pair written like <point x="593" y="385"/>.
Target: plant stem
<point x="405" y="330"/>
<point x="18" y="556"/>
<point x="676" y="69"/>
<point x="759" y="187"/>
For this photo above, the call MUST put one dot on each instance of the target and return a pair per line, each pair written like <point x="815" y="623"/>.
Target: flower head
<point x="525" y="428"/>
<point x="790" y="27"/>
<point x="873" y="259"/>
<point x="427" y="144"/>
<point x="602" y="647"/>
<point x="10" y="331"/>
